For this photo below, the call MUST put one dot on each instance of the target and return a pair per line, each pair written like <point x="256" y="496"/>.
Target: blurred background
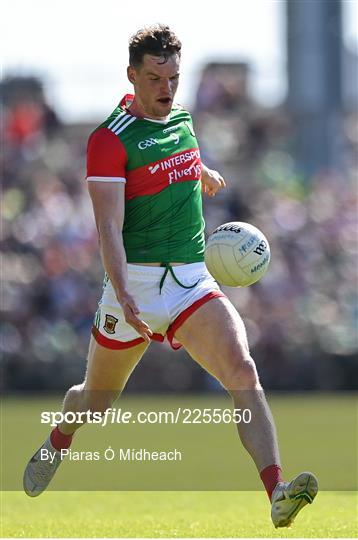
<point x="273" y="89"/>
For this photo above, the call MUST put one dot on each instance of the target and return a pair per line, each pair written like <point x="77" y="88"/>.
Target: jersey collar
<point x="126" y="102"/>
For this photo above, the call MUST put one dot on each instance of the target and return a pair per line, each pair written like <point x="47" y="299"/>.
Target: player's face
<point x="155" y="84"/>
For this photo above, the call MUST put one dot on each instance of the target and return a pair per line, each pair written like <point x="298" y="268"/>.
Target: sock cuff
<point x="270" y="477"/>
<point x="270" y="469"/>
<point x="60" y="440"/>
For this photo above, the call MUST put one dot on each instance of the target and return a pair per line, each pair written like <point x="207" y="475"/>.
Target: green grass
<point x="171" y="514"/>
<point x="316" y="432"/>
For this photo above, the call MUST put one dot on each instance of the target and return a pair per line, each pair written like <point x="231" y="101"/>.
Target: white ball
<point x="237" y="254"/>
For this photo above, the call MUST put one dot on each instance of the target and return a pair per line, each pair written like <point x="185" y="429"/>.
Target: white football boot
<point x="41" y="469"/>
<point x="288" y="498"/>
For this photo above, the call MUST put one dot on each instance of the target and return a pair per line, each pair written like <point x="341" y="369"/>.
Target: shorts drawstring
<point x="169" y="268"/>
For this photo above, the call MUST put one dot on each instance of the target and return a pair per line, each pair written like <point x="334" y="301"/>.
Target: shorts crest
<point x="110" y="324"/>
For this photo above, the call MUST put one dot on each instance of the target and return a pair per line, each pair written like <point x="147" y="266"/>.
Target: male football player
<point x="145" y="179"/>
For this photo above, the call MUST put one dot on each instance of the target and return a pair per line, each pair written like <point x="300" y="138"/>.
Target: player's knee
<point x="81" y="399"/>
<point x="74" y="396"/>
<point x="241" y="375"/>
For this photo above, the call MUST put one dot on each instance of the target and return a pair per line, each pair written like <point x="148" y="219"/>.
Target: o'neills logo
<point x="172" y="128"/>
<point x="228" y="227"/>
<point x="110" y="324"/>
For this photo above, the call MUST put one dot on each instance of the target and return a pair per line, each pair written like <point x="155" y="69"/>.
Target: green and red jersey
<point x="160" y="163"/>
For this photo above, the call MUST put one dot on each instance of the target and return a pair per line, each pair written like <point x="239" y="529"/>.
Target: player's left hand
<point x="212" y="181"/>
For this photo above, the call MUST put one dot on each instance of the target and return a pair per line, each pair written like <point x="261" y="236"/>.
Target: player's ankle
<point x="60" y="440"/>
<point x="270" y="477"/>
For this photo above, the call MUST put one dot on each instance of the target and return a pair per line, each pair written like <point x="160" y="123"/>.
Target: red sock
<point x="270" y="476"/>
<point x="60" y="440"/>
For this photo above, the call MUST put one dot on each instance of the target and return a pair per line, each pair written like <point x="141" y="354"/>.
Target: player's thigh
<point x="215" y="336"/>
<point x="108" y="369"/>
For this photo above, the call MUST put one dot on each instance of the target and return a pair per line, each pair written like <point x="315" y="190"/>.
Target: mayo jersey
<point x="160" y="164"/>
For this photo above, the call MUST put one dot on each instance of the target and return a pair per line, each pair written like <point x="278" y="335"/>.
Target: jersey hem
<point x="166" y="260"/>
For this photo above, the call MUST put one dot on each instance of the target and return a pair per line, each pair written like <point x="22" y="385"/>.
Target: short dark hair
<point x="157" y="40"/>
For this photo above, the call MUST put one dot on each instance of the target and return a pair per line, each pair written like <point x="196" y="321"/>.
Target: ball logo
<point x="260" y="248"/>
<point x="233" y="228"/>
<point x="142" y="145"/>
<point x="260" y="264"/>
<point x="239" y="255"/>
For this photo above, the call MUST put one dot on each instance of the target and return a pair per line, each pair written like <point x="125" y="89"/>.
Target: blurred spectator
<point x="301" y="318"/>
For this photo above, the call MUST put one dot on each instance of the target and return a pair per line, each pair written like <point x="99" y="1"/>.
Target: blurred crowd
<point x="301" y="317"/>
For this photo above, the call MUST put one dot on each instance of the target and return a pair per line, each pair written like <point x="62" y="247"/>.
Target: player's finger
<point x="143" y="327"/>
<point x="140" y="326"/>
<point x="146" y="336"/>
<point x="145" y="332"/>
<point x="132" y="319"/>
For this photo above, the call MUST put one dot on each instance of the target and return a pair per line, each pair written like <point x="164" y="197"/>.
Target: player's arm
<point x="106" y="185"/>
<point x="108" y="206"/>
<point x="211" y="180"/>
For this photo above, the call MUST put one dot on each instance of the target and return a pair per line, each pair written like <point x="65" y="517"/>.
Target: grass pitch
<point x="171" y="514"/>
<point x="316" y="432"/>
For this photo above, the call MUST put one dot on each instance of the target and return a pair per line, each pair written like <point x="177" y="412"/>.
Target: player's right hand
<point x="131" y="311"/>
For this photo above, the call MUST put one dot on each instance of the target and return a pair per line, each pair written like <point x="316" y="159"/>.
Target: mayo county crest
<point x="110" y="324"/>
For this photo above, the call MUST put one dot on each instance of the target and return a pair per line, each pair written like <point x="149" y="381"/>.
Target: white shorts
<point x="164" y="311"/>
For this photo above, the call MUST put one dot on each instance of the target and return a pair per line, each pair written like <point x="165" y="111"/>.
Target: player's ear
<point x="131" y="74"/>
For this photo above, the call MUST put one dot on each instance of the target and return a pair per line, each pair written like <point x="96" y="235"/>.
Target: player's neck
<point x="137" y="109"/>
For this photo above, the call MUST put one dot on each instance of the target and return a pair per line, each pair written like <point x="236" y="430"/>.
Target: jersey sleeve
<point x="106" y="157"/>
